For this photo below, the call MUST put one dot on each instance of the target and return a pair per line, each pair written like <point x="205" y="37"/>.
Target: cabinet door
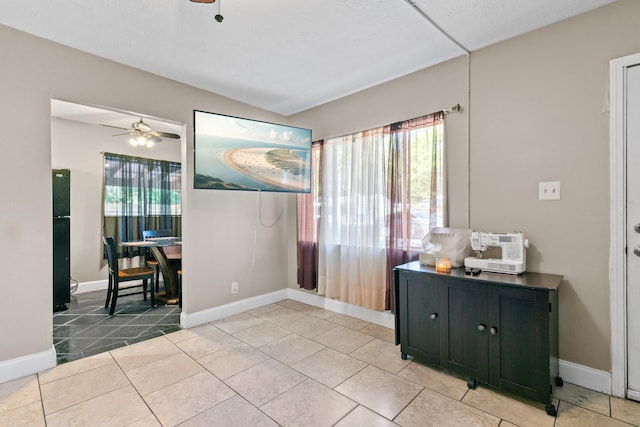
<point x="463" y="334"/>
<point x="420" y="323"/>
<point x="519" y="341"/>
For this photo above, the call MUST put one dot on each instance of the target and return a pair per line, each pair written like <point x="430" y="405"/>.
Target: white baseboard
<point x="98" y="285"/>
<point x="236" y="307"/>
<point x="27" y="365"/>
<point x="385" y="319"/>
<point x="382" y="318"/>
<point x="585" y="376"/>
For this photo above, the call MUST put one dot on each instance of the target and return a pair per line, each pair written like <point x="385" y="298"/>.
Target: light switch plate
<point x="549" y="190"/>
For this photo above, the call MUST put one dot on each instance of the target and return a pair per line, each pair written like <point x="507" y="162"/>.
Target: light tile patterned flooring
<point x="286" y="364"/>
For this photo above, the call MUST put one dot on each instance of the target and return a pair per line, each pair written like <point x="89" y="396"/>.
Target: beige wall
<point x="535" y="113"/>
<point x="223" y="240"/>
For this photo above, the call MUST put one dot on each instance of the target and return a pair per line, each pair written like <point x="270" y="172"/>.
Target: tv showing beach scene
<point x="233" y="153"/>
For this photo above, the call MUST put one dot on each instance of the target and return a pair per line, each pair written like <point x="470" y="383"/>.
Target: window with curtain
<point x="140" y="194"/>
<point x="378" y="193"/>
<point x="416" y="188"/>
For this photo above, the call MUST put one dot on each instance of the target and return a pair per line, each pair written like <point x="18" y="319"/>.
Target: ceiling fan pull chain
<point x="219" y="17"/>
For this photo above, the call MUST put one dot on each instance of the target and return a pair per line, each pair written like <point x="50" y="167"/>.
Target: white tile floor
<point x="286" y="364"/>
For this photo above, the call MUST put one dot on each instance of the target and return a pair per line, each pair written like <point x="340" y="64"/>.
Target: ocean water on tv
<point x="209" y="159"/>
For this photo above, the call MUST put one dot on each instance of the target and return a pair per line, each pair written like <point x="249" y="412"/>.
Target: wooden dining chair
<point x="149" y="259"/>
<point x="117" y="275"/>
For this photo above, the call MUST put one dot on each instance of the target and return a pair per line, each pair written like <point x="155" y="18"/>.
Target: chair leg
<point x="114" y="298"/>
<point x="153" y="293"/>
<point x="109" y="290"/>
<point x="144" y="289"/>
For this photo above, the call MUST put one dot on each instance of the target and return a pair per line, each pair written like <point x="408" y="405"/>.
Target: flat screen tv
<point x="232" y="153"/>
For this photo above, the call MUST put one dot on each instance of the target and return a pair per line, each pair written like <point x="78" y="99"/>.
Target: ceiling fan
<point x="142" y="134"/>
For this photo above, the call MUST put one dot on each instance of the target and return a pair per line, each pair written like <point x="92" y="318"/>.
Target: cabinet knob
<point x="433" y="316"/>
<point x="482" y="327"/>
<point x="493" y="331"/>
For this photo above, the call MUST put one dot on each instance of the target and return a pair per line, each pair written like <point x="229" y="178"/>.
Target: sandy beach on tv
<point x="254" y="162"/>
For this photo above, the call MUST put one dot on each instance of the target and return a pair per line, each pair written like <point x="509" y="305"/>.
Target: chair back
<point x="110" y="247"/>
<point x="146" y="234"/>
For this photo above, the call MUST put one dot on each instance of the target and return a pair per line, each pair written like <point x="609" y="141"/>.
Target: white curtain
<point x="352" y="243"/>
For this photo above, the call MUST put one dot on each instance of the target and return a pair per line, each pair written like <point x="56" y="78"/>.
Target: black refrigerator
<point x="61" y="179"/>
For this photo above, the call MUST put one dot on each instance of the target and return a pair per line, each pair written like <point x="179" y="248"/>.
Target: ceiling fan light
<point x="149" y="143"/>
<point x="133" y="142"/>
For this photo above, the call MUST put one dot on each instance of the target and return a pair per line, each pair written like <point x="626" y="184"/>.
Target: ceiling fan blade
<point x="167" y="135"/>
<point x="126" y="133"/>
<point x="115" y="127"/>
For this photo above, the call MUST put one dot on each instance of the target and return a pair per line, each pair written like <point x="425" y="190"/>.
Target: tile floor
<point x="286" y="364"/>
<point x="86" y="328"/>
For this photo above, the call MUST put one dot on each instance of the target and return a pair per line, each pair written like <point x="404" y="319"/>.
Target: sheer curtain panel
<point x="352" y="258"/>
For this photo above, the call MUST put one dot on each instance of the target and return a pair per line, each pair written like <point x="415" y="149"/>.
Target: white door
<point x="633" y="230"/>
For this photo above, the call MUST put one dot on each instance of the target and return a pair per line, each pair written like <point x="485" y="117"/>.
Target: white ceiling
<point x="284" y="56"/>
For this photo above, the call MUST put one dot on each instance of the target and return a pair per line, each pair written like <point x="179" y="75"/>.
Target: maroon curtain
<point x="308" y="225"/>
<point x="399" y="216"/>
<point x="308" y="265"/>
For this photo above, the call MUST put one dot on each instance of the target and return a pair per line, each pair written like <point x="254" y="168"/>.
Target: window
<point x="140" y="194"/>
<point x="379" y="193"/>
<point x="415" y="179"/>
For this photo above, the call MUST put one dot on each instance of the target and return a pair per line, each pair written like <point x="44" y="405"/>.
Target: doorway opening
<point x="80" y="135"/>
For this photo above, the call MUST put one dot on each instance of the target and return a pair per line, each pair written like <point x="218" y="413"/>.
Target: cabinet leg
<point x="551" y="410"/>
<point x="403" y="356"/>
<point x="471" y="383"/>
<point x="559" y="382"/>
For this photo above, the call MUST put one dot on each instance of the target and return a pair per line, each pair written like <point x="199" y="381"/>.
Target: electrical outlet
<point x="549" y="190"/>
<point x="234" y="287"/>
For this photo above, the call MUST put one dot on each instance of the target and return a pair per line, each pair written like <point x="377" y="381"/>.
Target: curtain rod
<point x="457" y="108"/>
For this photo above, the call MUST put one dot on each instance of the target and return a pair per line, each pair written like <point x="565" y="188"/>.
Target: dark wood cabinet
<point x="496" y="329"/>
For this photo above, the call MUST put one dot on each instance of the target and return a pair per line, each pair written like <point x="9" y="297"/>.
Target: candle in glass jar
<point x="443" y="265"/>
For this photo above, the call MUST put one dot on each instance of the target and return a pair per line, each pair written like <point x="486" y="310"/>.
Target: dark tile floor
<point x="86" y="328"/>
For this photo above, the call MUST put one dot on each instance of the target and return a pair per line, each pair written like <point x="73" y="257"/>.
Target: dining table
<point x="168" y="252"/>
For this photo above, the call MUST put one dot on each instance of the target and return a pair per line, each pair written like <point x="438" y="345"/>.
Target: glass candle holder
<point x="443" y="265"/>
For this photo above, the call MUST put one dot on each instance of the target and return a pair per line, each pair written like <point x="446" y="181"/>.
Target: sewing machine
<point x="513" y="258"/>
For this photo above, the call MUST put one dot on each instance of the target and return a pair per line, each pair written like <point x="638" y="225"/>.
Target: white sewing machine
<point x="513" y="259"/>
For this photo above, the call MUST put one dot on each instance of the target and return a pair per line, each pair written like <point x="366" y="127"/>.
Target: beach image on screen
<point x="233" y="153"/>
